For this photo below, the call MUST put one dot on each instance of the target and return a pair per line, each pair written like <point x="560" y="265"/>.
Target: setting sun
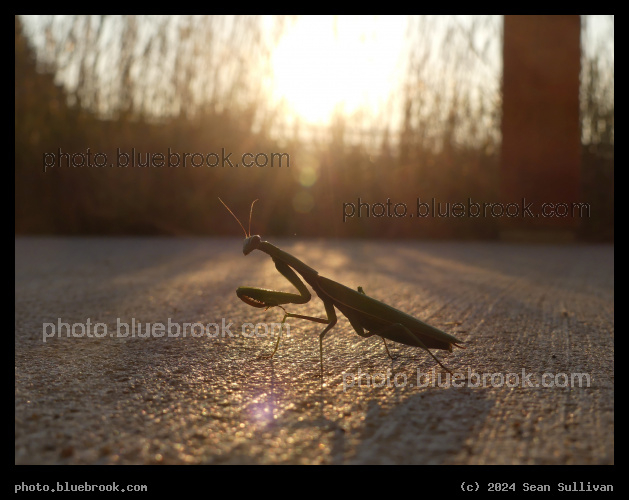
<point x="329" y="62"/>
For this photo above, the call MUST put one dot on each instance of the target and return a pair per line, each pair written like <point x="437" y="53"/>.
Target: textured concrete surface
<point x="90" y="400"/>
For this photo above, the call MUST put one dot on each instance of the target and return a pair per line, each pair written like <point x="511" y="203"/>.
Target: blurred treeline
<point x="200" y="84"/>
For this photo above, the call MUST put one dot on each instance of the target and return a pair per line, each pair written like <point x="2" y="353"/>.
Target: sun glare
<point x="328" y="62"/>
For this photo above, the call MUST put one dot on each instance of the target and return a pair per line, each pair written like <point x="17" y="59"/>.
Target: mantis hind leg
<point x="399" y="328"/>
<point x="358" y="328"/>
<point x="329" y="309"/>
<point x="386" y="347"/>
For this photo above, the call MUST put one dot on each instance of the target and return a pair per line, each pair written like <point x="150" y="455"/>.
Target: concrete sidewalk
<point x="521" y="310"/>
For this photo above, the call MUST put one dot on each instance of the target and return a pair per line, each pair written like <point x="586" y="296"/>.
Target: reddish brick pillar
<point x="541" y="136"/>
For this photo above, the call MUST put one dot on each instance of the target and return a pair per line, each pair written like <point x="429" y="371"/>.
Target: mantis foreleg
<point x="260" y="297"/>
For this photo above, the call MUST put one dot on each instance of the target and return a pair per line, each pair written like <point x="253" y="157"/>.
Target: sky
<point x="328" y="64"/>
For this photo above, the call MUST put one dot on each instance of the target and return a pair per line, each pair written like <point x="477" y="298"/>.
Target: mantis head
<point x="251" y="242"/>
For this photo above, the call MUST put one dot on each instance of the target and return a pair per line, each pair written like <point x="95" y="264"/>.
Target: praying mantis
<point x="367" y="315"/>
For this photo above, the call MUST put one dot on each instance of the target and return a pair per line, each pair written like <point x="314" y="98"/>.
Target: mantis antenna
<point x="238" y="220"/>
<point x="251" y="214"/>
